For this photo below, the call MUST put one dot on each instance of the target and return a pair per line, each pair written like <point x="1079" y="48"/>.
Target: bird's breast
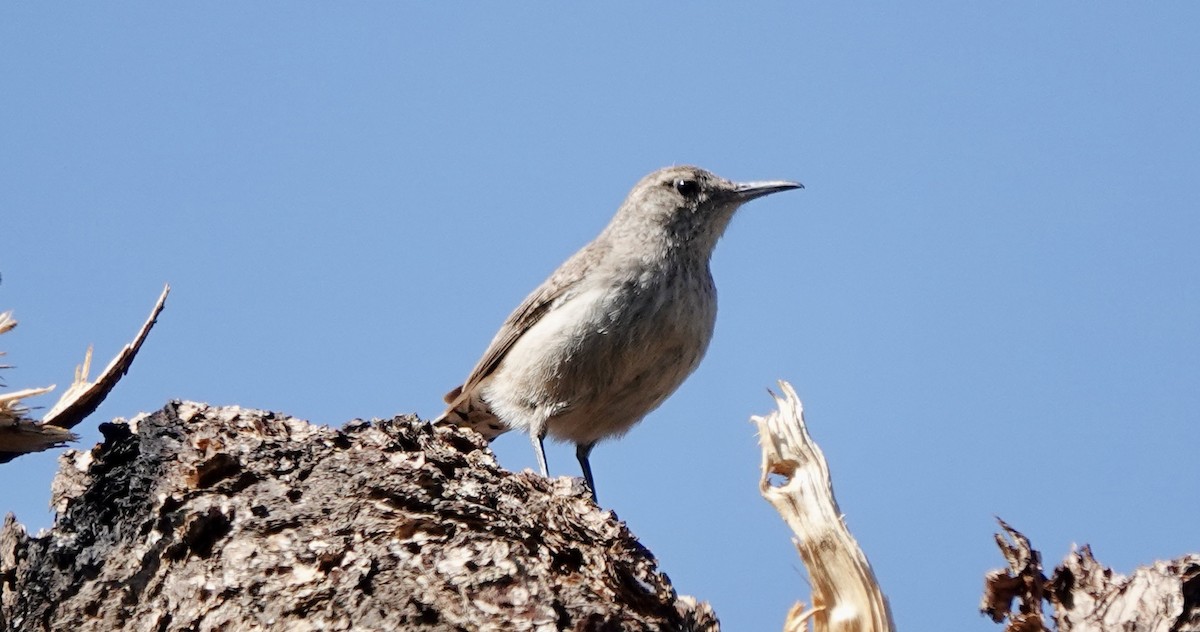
<point x="646" y="336"/>
<point x="607" y="354"/>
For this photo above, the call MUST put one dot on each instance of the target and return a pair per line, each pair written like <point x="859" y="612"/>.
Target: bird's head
<point x="688" y="206"/>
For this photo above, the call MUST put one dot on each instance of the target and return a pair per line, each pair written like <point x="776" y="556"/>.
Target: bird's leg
<point x="582" y="451"/>
<point x="538" y="437"/>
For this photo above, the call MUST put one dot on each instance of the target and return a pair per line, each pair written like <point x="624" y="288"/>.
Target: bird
<point x="617" y="328"/>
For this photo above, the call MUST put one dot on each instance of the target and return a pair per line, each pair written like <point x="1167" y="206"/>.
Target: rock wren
<point x="617" y="327"/>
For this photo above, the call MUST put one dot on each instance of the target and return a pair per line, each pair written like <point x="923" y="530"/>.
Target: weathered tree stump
<point x="203" y="518"/>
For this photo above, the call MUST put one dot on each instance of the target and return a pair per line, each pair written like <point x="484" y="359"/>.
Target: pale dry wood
<point x="1162" y="597"/>
<point x="7" y="322"/>
<point x="795" y="479"/>
<point x="83" y="397"/>
<point x="19" y="434"/>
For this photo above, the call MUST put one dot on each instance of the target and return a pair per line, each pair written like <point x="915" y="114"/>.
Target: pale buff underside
<point x="639" y="347"/>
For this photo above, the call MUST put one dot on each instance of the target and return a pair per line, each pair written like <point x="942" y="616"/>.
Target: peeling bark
<point x="1086" y="596"/>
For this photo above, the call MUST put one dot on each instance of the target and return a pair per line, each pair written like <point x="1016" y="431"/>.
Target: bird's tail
<point x="471" y="411"/>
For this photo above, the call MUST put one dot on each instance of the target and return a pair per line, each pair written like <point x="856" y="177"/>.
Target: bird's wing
<point x="542" y="300"/>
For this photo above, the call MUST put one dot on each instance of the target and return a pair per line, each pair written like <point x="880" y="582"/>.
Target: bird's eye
<point x="687" y="187"/>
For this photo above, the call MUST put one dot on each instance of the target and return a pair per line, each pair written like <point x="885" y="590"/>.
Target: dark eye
<point x="687" y="187"/>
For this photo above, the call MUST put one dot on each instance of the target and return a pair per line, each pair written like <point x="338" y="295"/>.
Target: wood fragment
<point x="1022" y="581"/>
<point x="20" y="434"/>
<point x="795" y="480"/>
<point x="83" y="397"/>
<point x="1086" y="596"/>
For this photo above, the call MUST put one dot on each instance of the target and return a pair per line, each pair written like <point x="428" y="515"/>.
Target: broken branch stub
<point x="19" y="434"/>
<point x="795" y="480"/>
<point x="83" y="397"/>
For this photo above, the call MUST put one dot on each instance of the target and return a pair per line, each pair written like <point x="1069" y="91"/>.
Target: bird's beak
<point x="746" y="191"/>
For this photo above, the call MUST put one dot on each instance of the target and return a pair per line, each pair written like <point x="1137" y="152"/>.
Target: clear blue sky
<point x="987" y="296"/>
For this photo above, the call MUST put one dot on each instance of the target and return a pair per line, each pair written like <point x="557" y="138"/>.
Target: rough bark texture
<point x="202" y="518"/>
<point x="1085" y="596"/>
